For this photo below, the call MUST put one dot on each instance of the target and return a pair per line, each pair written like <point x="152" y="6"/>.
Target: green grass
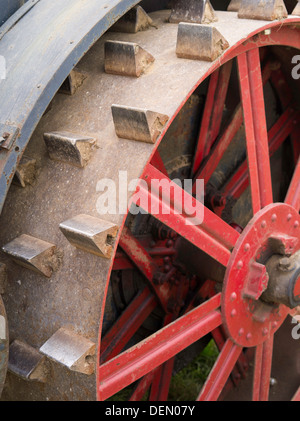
<point x="187" y="383"/>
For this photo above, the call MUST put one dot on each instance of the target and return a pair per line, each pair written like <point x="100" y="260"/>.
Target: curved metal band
<point x="39" y="52"/>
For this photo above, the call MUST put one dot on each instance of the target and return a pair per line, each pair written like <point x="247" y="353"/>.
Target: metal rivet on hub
<point x="247" y="247"/>
<point x="71" y="350"/>
<point x="126" y="58"/>
<point x="249" y="336"/>
<point x="266" y="10"/>
<point x="199" y="42"/>
<point x="137" y="124"/>
<point x="26" y="362"/>
<point x="34" y="254"/>
<point x="263" y="224"/>
<point x="134" y="21"/>
<point x="265" y="331"/>
<point x="274" y="325"/>
<point x="233" y="313"/>
<point x="233" y="296"/>
<point x="74" y="149"/>
<point x="200" y="11"/>
<point x="296" y="224"/>
<point x="274" y="217"/>
<point x="240" y="264"/>
<point x="289" y="217"/>
<point x="90" y="234"/>
<point x="241" y="332"/>
<point x="234" y="5"/>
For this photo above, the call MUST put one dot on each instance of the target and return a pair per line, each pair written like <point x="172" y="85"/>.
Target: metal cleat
<point x="71" y="350"/>
<point x="135" y="20"/>
<point x="199" y="42"/>
<point x="262" y="9"/>
<point x="234" y="5"/>
<point x="35" y="254"/>
<point x="27" y="363"/>
<point x="74" y="149"/>
<point x="138" y="124"/>
<point x="90" y="234"/>
<point x="126" y="58"/>
<point x="193" y="11"/>
<point x="26" y="172"/>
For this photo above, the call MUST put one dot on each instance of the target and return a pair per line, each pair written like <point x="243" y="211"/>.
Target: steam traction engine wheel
<point x="223" y="110"/>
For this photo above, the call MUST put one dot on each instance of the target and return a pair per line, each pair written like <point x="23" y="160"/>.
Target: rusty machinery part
<point x="187" y="283"/>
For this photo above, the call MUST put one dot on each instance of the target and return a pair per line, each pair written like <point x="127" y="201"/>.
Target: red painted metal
<point x="293" y="194"/>
<point x="145" y="264"/>
<point x="162" y="378"/>
<point x="142" y="386"/>
<point x="239" y="181"/>
<point x="255" y="128"/>
<point x="127" y="324"/>
<point x="158" y="163"/>
<point x="213" y="112"/>
<point x="206" y="170"/>
<point x="214" y="236"/>
<point x="262" y="370"/>
<point x="247" y="320"/>
<point x="217" y="153"/>
<point x="220" y="372"/>
<point x="158" y="348"/>
<point x="155" y="354"/>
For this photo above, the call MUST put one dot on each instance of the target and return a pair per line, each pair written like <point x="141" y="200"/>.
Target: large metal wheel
<point x="105" y="323"/>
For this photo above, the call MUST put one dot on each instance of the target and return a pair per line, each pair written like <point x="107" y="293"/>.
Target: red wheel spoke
<point x="220" y="372"/>
<point x="277" y="135"/>
<point x="143" y="261"/>
<point x="161" y="382"/>
<point x="262" y="370"/>
<point x="162" y="378"/>
<point x="207" y="169"/>
<point x="127" y="324"/>
<point x="142" y="386"/>
<point x="157" y="162"/>
<point x="213" y="111"/>
<point x="213" y="235"/>
<point x="293" y="194"/>
<point x="256" y="129"/>
<point x="215" y="157"/>
<point x="158" y="348"/>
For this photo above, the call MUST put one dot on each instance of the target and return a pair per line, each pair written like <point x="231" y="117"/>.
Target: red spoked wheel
<point x="235" y="276"/>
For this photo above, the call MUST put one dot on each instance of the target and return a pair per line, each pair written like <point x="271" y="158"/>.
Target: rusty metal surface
<point x="193" y="11"/>
<point x="73" y="297"/>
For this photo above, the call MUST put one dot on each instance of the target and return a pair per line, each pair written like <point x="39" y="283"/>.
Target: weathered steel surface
<point x="73" y="296"/>
<point x="263" y="10"/>
<point x="27" y="362"/>
<point x="62" y="33"/>
<point x="199" y="42"/>
<point x="126" y="58"/>
<point x="193" y="11"/>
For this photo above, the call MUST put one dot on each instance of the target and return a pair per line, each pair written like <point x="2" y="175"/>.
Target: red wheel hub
<point x="248" y="319"/>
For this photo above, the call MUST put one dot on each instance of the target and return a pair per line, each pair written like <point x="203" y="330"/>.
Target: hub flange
<point x="248" y="319"/>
